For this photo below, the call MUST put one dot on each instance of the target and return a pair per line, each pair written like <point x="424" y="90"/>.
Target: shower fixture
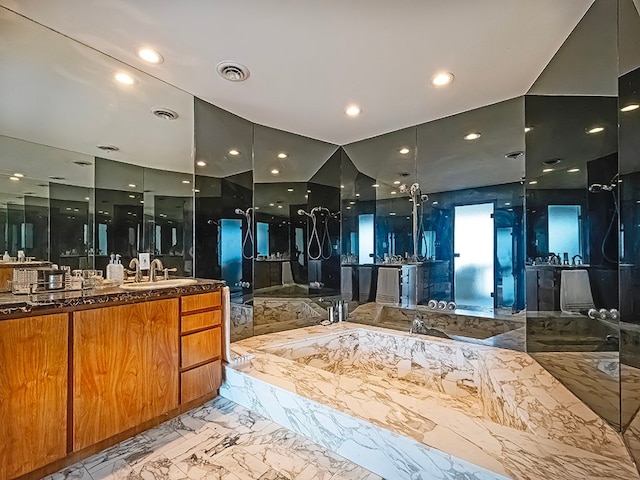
<point x="417" y="227"/>
<point x="323" y="244"/>
<point x="248" y="236"/>
<point x="610" y="187"/>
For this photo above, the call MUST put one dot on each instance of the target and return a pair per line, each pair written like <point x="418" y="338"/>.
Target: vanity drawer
<point x="200" y="381"/>
<point x="197" y="321"/>
<point x="202" y="301"/>
<point x="200" y="347"/>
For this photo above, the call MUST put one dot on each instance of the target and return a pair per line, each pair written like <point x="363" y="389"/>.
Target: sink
<point x="171" y="283"/>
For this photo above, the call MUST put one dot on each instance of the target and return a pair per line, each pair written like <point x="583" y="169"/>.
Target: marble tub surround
<point x="17" y="305"/>
<point x="241" y="321"/>
<point x="480" y="418"/>
<point x="220" y="440"/>
<point x="277" y="314"/>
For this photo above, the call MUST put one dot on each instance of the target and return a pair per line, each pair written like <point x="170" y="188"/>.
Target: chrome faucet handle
<point x="166" y="272"/>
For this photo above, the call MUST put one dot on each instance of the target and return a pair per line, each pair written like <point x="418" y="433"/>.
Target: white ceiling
<point x="308" y="60"/>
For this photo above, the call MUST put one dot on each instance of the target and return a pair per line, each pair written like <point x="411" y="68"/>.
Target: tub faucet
<point x="156" y="266"/>
<point x="134" y="263"/>
<point x="417" y="326"/>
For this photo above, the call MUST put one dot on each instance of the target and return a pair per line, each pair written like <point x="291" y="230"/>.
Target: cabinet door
<point x="125" y="368"/>
<point x="33" y="392"/>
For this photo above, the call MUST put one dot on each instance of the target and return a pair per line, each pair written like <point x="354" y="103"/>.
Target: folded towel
<point x="287" y="276"/>
<point x="226" y="324"/>
<point x="575" y="291"/>
<point x="346" y="283"/>
<point x="364" y="283"/>
<point x="388" y="290"/>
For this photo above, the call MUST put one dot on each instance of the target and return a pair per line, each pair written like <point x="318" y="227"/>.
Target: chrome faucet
<point x="417" y="326"/>
<point x="134" y="263"/>
<point x="156" y="266"/>
<point x="573" y="260"/>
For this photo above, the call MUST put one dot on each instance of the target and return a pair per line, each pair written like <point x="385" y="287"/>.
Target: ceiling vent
<point x="164" y="113"/>
<point x="514" y="155"/>
<point x="108" y="148"/>
<point x="234" y="72"/>
<point x="82" y="163"/>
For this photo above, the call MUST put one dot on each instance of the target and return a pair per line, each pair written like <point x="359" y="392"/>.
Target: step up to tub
<point x="405" y="406"/>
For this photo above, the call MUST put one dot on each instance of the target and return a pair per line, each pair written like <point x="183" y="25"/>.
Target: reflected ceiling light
<point x="434" y="203"/>
<point x="272" y="204"/>
<point x="234" y="152"/>
<point x="595" y="130"/>
<point x="132" y="185"/>
<point x="353" y="110"/>
<point x="397" y="182"/>
<point x="392" y="213"/>
<point x="357" y="194"/>
<point x="533" y="182"/>
<point x="68" y="208"/>
<point x="289" y="189"/>
<point x="282" y="155"/>
<point x="279" y="206"/>
<point x="404" y="150"/>
<point x="348" y="207"/>
<point x="141" y="201"/>
<point x="306" y="196"/>
<point x="472" y="136"/>
<point x="15" y="179"/>
<point x="375" y="185"/>
<point x="352" y="203"/>
<point x="256" y="208"/>
<point x="87" y="198"/>
<point x="275" y="171"/>
<point x="393" y="192"/>
<point x="149" y="55"/>
<point x="630" y="108"/>
<point x="547" y="170"/>
<point x="573" y="170"/>
<point x="132" y="196"/>
<point x="124" y="78"/>
<point x="507" y="203"/>
<point x="19" y="175"/>
<point x="527" y="129"/>
<point x="341" y="186"/>
<point x="442" y="79"/>
<point x="201" y="163"/>
<point x="186" y="181"/>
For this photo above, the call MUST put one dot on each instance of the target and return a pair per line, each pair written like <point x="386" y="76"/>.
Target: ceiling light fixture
<point x="282" y="155"/>
<point x="15" y="179"/>
<point x="108" y="148"/>
<point x="124" y="78"/>
<point x="527" y="129"/>
<point x="19" y="175"/>
<point x="595" y="130"/>
<point x="201" y="163"/>
<point x="397" y="182"/>
<point x="573" y="170"/>
<point x="472" y="136"/>
<point x="533" y="182"/>
<point x="404" y="150"/>
<point x="434" y="203"/>
<point x="279" y="206"/>
<point x="272" y="204"/>
<point x="353" y="110"/>
<point x="289" y="189"/>
<point x="547" y="170"/>
<point x="392" y="213"/>
<point x="375" y="185"/>
<point x="164" y="113"/>
<point x="393" y="192"/>
<point x="275" y="171"/>
<point x="507" y="203"/>
<point x="132" y="185"/>
<point x="186" y="181"/>
<point x="150" y="55"/>
<point x="630" y="108"/>
<point x="442" y="79"/>
<point x="234" y="152"/>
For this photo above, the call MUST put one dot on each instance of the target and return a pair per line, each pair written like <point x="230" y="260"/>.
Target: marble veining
<point x="493" y="413"/>
<point x="277" y="314"/>
<point x="219" y="441"/>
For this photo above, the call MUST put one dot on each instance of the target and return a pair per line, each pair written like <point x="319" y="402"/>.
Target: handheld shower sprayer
<point x="323" y="245"/>
<point x="610" y="187"/>
<point x="248" y="236"/>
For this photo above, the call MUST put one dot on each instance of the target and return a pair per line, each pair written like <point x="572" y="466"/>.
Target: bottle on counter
<point x="6" y="258"/>
<point x="115" y="269"/>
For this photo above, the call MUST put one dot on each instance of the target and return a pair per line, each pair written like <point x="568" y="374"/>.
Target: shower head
<point x="239" y="212"/>
<point x="597" y="188"/>
<point x="302" y="212"/>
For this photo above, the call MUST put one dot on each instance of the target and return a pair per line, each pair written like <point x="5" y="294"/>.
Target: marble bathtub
<point x="415" y="407"/>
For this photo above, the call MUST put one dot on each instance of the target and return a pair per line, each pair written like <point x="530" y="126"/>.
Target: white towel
<point x="346" y="283"/>
<point x="364" y="283"/>
<point x="388" y="290"/>
<point x="227" y="356"/>
<point x="575" y="291"/>
<point x="287" y="276"/>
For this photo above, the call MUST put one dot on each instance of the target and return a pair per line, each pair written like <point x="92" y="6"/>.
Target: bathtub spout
<point x="417" y="326"/>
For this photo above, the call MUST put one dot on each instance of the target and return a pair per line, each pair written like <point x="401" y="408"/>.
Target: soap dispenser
<point x="111" y="267"/>
<point x="6" y="258"/>
<point x="118" y="275"/>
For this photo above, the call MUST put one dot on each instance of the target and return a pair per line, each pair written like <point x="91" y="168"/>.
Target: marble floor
<point x="219" y="441"/>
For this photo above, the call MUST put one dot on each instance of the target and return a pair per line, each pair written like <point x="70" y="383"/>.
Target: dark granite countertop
<point x="12" y="306"/>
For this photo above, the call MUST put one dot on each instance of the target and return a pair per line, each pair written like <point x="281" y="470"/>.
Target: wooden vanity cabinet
<point x="200" y="346"/>
<point x="125" y="368"/>
<point x="33" y="392"/>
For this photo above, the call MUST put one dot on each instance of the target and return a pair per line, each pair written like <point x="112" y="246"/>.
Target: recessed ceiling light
<point x="186" y="181"/>
<point x="279" y="206"/>
<point x="234" y="152"/>
<point x="87" y="198"/>
<point x="375" y="185"/>
<point x="514" y="155"/>
<point x="282" y="155"/>
<point x="595" y="130"/>
<point x="289" y="189"/>
<point x="272" y="204"/>
<point x="352" y="203"/>
<point x="124" y="78"/>
<point x="434" y="203"/>
<point x="442" y="79"/>
<point x="149" y="55"/>
<point x="630" y="108"/>
<point x="393" y="192"/>
<point x="141" y="201"/>
<point x="132" y="196"/>
<point x="275" y="171"/>
<point x="573" y="170"/>
<point x="547" y="170"/>
<point x="472" y="136"/>
<point x="353" y="110"/>
<point x="132" y="185"/>
<point x="341" y="186"/>
<point x="348" y="207"/>
<point x="392" y="213"/>
<point x="357" y="194"/>
<point x="404" y="150"/>
<point x="201" y="163"/>
<point x="15" y="179"/>
<point x="397" y="182"/>
<point x="19" y="175"/>
<point x="533" y="182"/>
<point x="527" y="129"/>
<point x="164" y="113"/>
<point x="507" y="203"/>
